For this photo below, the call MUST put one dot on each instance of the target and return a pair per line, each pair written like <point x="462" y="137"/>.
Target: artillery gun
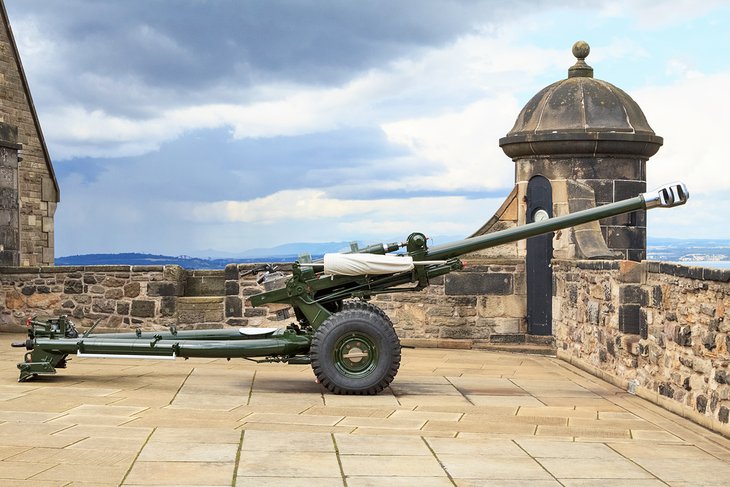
<point x="350" y="343"/>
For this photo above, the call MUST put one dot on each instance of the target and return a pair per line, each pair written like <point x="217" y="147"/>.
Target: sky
<point x="205" y="127"/>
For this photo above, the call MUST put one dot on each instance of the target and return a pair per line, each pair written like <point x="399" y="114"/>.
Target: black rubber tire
<point x="358" y="329"/>
<point x="364" y="305"/>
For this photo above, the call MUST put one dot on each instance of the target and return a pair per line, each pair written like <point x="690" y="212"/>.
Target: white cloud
<point x="309" y="204"/>
<point x="653" y="15"/>
<point x="465" y="144"/>
<point x="691" y="115"/>
<point x="485" y="68"/>
<point x="679" y="68"/>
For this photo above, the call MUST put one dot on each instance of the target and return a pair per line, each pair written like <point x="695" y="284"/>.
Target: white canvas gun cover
<point x="369" y="264"/>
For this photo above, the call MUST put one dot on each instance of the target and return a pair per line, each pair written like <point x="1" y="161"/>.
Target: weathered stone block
<point x="253" y="312"/>
<point x="701" y="404"/>
<point x="114" y="293"/>
<point x="97" y="289"/>
<point x="231" y="272"/>
<point x="114" y="321"/>
<point x="633" y="294"/>
<point x="507" y="338"/>
<point x="123" y="308"/>
<point x="73" y="286"/>
<point x="440" y="311"/>
<point x="724" y="414"/>
<point x="456" y="332"/>
<point x="234" y="307"/>
<point x="173" y="273"/>
<point x="629" y="317"/>
<point x="232" y="288"/>
<point x="131" y="290"/>
<point x="665" y="389"/>
<point x="112" y="282"/>
<point x="205" y="286"/>
<point x="478" y="283"/>
<point x="142" y="308"/>
<point x="161" y="289"/>
<point x="626" y="237"/>
<point x="103" y="306"/>
<point x="282" y="314"/>
<point x="189" y="316"/>
<point x="168" y="305"/>
<point x="683" y="336"/>
<point x="656" y="296"/>
<point x="628" y="189"/>
<point x="251" y="290"/>
<point x="709" y="341"/>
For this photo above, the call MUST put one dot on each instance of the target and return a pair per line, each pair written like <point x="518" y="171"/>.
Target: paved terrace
<point x="451" y="418"/>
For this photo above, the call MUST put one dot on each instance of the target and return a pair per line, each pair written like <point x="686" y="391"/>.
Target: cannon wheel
<point x="356" y="351"/>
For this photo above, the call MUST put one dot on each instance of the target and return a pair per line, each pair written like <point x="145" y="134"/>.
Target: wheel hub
<point x="355" y="355"/>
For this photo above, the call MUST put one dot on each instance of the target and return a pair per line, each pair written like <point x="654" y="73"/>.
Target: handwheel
<point x="356" y="351"/>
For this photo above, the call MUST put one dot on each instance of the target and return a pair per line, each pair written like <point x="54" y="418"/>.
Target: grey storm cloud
<point x="186" y="48"/>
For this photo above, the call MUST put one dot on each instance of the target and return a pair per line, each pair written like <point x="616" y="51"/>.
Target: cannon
<point x="350" y="343"/>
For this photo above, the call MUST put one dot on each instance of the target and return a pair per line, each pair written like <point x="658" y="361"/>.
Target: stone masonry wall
<point x="121" y="296"/>
<point x="658" y="330"/>
<point x="482" y="304"/>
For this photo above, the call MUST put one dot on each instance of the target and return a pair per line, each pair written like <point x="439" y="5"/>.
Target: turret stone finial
<point x="581" y="49"/>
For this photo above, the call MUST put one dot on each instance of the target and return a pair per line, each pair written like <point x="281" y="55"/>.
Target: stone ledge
<point x="529" y="348"/>
<point x="200" y="299"/>
<point x="467" y="344"/>
<point x="589" y="265"/>
<point x="148" y="268"/>
<point x="648" y="395"/>
<point x="689" y="271"/>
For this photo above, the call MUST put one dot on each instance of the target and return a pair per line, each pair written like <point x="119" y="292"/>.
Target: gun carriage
<point x="350" y="343"/>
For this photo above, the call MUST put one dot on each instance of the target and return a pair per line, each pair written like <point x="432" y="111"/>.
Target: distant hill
<point x="216" y="260"/>
<point x="662" y="249"/>
<point x="151" y="259"/>
<point x="688" y="250"/>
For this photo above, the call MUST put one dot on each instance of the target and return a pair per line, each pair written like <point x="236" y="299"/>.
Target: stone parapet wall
<point x="119" y="296"/>
<point x="484" y="303"/>
<point x="658" y="330"/>
<point x="122" y="296"/>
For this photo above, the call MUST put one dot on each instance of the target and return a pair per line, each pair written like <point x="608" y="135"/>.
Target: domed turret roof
<point x="581" y="116"/>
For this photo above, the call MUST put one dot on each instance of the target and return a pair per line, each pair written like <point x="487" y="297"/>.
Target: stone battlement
<point x="656" y="329"/>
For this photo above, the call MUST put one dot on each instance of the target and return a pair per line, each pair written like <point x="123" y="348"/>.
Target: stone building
<point x="29" y="190"/>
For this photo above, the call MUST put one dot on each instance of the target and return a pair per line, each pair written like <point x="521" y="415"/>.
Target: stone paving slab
<point x="451" y="418"/>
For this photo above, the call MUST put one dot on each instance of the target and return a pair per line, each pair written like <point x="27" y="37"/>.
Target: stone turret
<point x="592" y="141"/>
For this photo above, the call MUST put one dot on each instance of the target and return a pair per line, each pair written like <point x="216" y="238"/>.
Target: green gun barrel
<point x="668" y="196"/>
